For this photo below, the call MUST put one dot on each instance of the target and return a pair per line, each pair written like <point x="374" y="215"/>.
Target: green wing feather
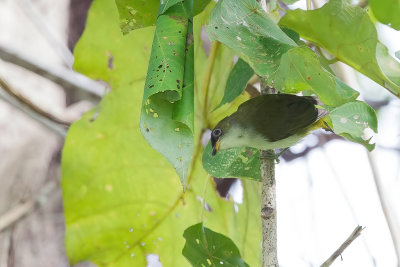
<point x="278" y="116"/>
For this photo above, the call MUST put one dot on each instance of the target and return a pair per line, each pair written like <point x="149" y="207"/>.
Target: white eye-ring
<point x="217" y="132"/>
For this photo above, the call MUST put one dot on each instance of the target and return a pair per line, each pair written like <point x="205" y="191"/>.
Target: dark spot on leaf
<point x="250" y="153"/>
<point x="95" y="115"/>
<point x="216" y="27"/>
<point x="309" y="78"/>
<point x="178" y="86"/>
<point x="160" y="66"/>
<point x="180" y="32"/>
<point x="110" y="63"/>
<point x="178" y="81"/>
<point x="151" y="86"/>
<point x="147" y="130"/>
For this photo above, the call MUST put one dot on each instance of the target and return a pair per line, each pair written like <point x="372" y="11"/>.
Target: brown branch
<point x="356" y="233"/>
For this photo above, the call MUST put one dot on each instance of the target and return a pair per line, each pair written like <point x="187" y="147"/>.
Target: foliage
<point x="122" y="199"/>
<point x="205" y="247"/>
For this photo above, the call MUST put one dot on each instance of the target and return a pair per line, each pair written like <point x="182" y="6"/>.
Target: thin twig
<point x="48" y="120"/>
<point x="391" y="221"/>
<point x="339" y="251"/>
<point x="68" y="79"/>
<point x="44" y="28"/>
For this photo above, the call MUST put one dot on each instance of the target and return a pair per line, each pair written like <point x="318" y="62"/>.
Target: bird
<point x="269" y="121"/>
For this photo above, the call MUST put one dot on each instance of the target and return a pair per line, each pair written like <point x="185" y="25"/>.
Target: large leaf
<point x="386" y="11"/>
<point x="347" y="32"/>
<point x="300" y="70"/>
<point x="246" y="28"/>
<point x="205" y="247"/>
<point x="122" y="199"/>
<point x="351" y="121"/>
<point x="167" y="109"/>
<point x="136" y="14"/>
<point x="237" y="81"/>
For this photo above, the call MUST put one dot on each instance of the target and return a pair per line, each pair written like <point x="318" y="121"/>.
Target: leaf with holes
<point x="347" y="32"/>
<point x="246" y="28"/>
<point x="136" y="14"/>
<point x="235" y="162"/>
<point x="300" y="70"/>
<point x="352" y="119"/>
<point x="167" y="108"/>
<point x="205" y="247"/>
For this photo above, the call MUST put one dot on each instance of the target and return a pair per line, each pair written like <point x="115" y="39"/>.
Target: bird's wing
<point x="279" y="116"/>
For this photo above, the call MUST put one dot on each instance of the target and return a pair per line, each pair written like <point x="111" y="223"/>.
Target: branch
<point x="18" y="101"/>
<point x="268" y="193"/>
<point x="339" y="251"/>
<point x="66" y="78"/>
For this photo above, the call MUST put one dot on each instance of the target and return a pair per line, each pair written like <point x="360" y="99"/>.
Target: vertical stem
<point x="268" y="210"/>
<point x="268" y="194"/>
<point x="268" y="201"/>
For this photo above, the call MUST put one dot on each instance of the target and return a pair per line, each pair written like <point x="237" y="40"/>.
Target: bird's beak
<point x="215" y="147"/>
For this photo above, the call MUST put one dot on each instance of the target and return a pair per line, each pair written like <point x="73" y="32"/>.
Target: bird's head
<point x="218" y="134"/>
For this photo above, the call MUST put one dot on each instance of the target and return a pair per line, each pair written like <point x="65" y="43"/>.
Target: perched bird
<point x="269" y="122"/>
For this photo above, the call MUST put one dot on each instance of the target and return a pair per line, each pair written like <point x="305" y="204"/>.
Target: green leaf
<point x="122" y="199"/>
<point x="237" y="81"/>
<point x="352" y="38"/>
<point x="246" y="28"/>
<point x="167" y="109"/>
<point x="205" y="247"/>
<point x="136" y="14"/>
<point x="300" y="70"/>
<point x="235" y="162"/>
<point x="387" y="12"/>
<point x="352" y="119"/>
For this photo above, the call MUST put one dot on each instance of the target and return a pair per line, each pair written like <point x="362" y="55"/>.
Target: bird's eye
<point x="217" y="132"/>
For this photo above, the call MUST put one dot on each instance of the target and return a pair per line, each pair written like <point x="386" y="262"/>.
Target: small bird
<point x="269" y="122"/>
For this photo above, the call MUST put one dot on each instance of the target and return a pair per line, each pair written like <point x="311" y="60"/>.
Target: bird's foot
<point x="269" y="154"/>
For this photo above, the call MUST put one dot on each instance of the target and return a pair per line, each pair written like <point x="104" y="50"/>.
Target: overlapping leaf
<point x="387" y="12"/>
<point x="300" y="70"/>
<point x="351" y="121"/>
<point x="244" y="27"/>
<point x="205" y="247"/>
<point x="167" y="109"/>
<point x="122" y="199"/>
<point x="234" y="162"/>
<point x="237" y="81"/>
<point x="136" y="14"/>
<point x="347" y="32"/>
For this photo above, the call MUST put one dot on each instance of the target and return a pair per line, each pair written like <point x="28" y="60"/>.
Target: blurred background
<point x="325" y="186"/>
